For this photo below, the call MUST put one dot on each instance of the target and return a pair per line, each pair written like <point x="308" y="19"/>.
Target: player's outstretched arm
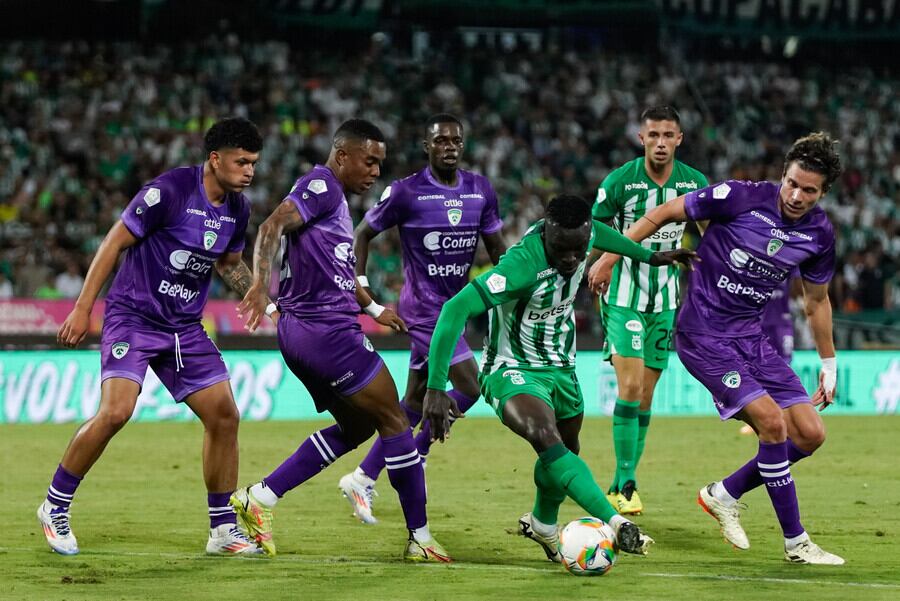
<point x="74" y="328"/>
<point x="284" y="218"/>
<point x="439" y="407"/>
<point x="818" y="315"/>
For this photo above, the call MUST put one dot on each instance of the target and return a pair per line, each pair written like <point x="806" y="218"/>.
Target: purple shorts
<point x="329" y="354"/>
<point x="184" y="361"/>
<point x="420" y="340"/>
<point x="782" y="338"/>
<point x="739" y="370"/>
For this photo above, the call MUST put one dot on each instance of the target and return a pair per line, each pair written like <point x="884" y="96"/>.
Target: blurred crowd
<point x="83" y="125"/>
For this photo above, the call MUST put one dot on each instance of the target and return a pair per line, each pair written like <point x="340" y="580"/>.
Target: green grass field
<point x="140" y="518"/>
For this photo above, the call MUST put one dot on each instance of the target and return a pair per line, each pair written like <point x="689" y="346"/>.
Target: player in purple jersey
<point x="323" y="344"/>
<point x="174" y="232"/>
<point x="776" y="320"/>
<point x="440" y="212"/>
<point x="758" y="233"/>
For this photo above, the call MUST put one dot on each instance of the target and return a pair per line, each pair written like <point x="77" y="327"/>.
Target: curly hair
<point x="233" y="132"/>
<point x="817" y="153"/>
<point x="568" y="211"/>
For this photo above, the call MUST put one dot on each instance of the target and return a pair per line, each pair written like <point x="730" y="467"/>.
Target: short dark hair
<point x="233" y="132"/>
<point x="442" y="118"/>
<point x="662" y="112"/>
<point x="817" y="153"/>
<point x="358" y="130"/>
<point x="568" y="211"/>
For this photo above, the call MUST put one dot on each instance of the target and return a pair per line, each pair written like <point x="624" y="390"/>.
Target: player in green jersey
<point x="528" y="364"/>
<point x="639" y="302"/>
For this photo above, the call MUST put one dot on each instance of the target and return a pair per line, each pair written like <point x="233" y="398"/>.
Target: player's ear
<point x="680" y="138"/>
<point x="214" y="159"/>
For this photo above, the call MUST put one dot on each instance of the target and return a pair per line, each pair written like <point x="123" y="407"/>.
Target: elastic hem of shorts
<point x="123" y="374"/>
<point x="745" y="400"/>
<point x="365" y="381"/>
<point x="453" y="360"/>
<point x="204" y="384"/>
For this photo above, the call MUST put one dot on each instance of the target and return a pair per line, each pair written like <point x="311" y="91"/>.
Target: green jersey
<point x="625" y="196"/>
<point x="531" y="306"/>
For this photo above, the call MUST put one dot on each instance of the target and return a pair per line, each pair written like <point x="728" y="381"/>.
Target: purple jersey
<point x="439" y="228"/>
<point x="165" y="277"/>
<point x="748" y="251"/>
<point x="317" y="264"/>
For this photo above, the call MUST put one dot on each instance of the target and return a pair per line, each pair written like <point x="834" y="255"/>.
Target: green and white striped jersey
<point x="531" y="319"/>
<point x="625" y="195"/>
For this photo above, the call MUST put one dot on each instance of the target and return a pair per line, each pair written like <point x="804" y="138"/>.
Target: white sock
<point x="616" y="522"/>
<point x="360" y="476"/>
<point x="264" y="494"/>
<point x="421" y="535"/>
<point x="722" y="495"/>
<point x="546" y="530"/>
<point x="791" y="543"/>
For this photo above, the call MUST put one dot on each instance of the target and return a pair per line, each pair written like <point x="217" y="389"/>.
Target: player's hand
<point x="437" y="409"/>
<point x="390" y="318"/>
<point x="825" y="393"/>
<point x="600" y="275"/>
<point x="74" y="328"/>
<point x="253" y="307"/>
<point x="680" y="255"/>
<point x="275" y="317"/>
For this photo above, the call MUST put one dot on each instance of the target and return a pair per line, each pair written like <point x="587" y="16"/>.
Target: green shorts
<point x="630" y="333"/>
<point x="558" y="387"/>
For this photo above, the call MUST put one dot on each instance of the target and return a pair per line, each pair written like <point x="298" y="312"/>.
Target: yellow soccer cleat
<point x="628" y="502"/>
<point x="255" y="518"/>
<point x="430" y="550"/>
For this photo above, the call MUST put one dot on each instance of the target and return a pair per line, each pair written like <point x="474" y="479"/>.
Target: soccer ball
<point x="587" y="546"/>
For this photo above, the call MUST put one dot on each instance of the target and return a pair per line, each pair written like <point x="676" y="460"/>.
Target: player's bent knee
<point x="542" y="436"/>
<point x="113" y="419"/>
<point x="771" y="427"/>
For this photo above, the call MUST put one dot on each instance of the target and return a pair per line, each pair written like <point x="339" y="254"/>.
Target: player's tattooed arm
<point x="235" y="273"/>
<point x="285" y="218"/>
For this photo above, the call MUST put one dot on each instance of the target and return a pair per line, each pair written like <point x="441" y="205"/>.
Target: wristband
<point x="829" y="374"/>
<point x="363" y="281"/>
<point x="270" y="308"/>
<point x="373" y="310"/>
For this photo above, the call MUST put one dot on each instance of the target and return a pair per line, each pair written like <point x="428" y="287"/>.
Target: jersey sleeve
<point x="490" y="214"/>
<point x="609" y="240"/>
<point x="449" y="327"/>
<point x="819" y="269"/>
<point x="606" y="205"/>
<point x="719" y="202"/>
<point x="513" y="277"/>
<point x="156" y="205"/>
<point x="314" y="198"/>
<point x="388" y="211"/>
<point x="239" y="238"/>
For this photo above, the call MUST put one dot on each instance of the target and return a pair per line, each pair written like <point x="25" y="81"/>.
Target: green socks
<point x="565" y="472"/>
<point x="625" y="440"/>
<point x="643" y="426"/>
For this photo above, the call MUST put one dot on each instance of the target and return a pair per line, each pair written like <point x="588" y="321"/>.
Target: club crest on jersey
<point x="721" y="191"/>
<point x="120" y="349"/>
<point x="732" y="379"/>
<point x="209" y="238"/>
<point x="454" y="215"/>
<point x="151" y="197"/>
<point x="317" y="186"/>
<point x="774" y="246"/>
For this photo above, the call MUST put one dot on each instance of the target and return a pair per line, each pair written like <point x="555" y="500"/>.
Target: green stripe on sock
<point x="553" y="453"/>
<point x="626" y="409"/>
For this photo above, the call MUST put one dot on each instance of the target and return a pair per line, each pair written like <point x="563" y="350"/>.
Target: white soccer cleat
<point x="56" y="529"/>
<point x="811" y="553"/>
<point x="360" y="497"/>
<point x="550" y="544"/>
<point x="227" y="539"/>
<point x="728" y="516"/>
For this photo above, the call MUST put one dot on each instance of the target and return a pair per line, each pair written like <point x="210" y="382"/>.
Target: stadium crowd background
<point x="83" y="124"/>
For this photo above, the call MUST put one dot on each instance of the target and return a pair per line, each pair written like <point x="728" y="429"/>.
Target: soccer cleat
<point x="228" y="540"/>
<point x="254" y="517"/>
<point x="55" y="523"/>
<point x="728" y="516"/>
<point x="811" y="553"/>
<point x="630" y="539"/>
<point x="360" y="497"/>
<point x="430" y="550"/>
<point x="550" y="544"/>
<point x="627" y="501"/>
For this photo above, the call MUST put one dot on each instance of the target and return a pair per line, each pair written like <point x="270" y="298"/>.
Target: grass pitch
<point x="140" y="518"/>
